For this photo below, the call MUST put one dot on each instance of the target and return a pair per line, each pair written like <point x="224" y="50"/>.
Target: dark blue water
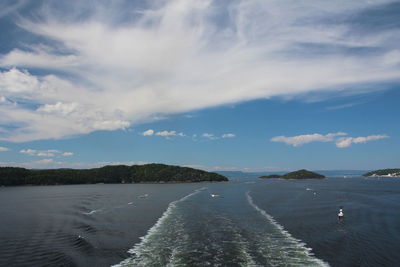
<point x="79" y="225"/>
<point x="255" y="223"/>
<point x="370" y="233"/>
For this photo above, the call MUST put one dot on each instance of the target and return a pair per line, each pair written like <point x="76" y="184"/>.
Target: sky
<point x="247" y="85"/>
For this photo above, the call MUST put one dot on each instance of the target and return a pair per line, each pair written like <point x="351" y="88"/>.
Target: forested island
<point x="148" y="173"/>
<point x="383" y="173"/>
<point x="300" y="174"/>
<point x="270" y="176"/>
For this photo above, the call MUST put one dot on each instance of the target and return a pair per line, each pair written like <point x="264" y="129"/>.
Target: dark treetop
<point x="149" y="173"/>
<point x="270" y="176"/>
<point x="302" y="174"/>
<point x="384" y="172"/>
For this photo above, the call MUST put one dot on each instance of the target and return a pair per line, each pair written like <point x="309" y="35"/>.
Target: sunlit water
<point x="260" y="223"/>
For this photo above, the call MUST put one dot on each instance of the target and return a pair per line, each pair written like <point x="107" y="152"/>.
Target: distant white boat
<point x="143" y="196"/>
<point x="213" y="195"/>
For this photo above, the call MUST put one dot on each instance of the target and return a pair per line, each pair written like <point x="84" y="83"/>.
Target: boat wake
<point x="233" y="231"/>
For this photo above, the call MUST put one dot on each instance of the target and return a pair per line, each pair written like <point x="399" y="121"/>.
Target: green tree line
<point x="149" y="173"/>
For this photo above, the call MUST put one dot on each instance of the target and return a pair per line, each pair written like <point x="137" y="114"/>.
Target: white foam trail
<point x="298" y="243"/>
<point x="136" y="250"/>
<point x="91" y="212"/>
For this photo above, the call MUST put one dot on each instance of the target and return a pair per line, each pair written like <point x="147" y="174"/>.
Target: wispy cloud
<point x="348" y="141"/>
<point x="209" y="136"/>
<point x="165" y="133"/>
<point x="300" y="140"/>
<point x="46" y="153"/>
<point x="348" y="105"/>
<point x="341" y="142"/>
<point x="149" y="132"/>
<point x="170" y="134"/>
<point x="228" y="135"/>
<point x="214" y="137"/>
<point x="116" y="68"/>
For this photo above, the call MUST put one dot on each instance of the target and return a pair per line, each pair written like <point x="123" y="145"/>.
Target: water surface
<point x="254" y="223"/>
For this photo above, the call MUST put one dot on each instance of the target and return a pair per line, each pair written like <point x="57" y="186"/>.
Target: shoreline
<point x="170" y="182"/>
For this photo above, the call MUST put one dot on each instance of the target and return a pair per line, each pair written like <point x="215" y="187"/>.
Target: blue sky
<point x="218" y="85"/>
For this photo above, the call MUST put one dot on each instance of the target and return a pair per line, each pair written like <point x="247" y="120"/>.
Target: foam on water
<point x="304" y="253"/>
<point x="149" y="253"/>
<point x="198" y="233"/>
<point x="91" y="212"/>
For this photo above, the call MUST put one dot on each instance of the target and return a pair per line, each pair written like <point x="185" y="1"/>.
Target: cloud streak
<point x="300" y="140"/>
<point x="341" y="142"/>
<point x="348" y="141"/>
<point x="228" y="135"/>
<point x="45" y="153"/>
<point x="121" y="66"/>
<point x="165" y="133"/>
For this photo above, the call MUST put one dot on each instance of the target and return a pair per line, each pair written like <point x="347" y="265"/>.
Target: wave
<point x="141" y="252"/>
<point x="92" y="212"/>
<point x="226" y="232"/>
<point x="302" y="252"/>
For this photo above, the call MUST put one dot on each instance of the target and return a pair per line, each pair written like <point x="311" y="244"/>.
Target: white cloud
<point x="348" y="141"/>
<point x="114" y="69"/>
<point x="341" y="142"/>
<point x="2" y="148"/>
<point x="45" y="153"/>
<point x="228" y="135"/>
<point x="300" y="140"/>
<point x="61" y="108"/>
<point x="169" y="134"/>
<point x="56" y="120"/>
<point x="208" y="135"/>
<point x="149" y="132"/>
<point x="28" y="151"/>
<point x="165" y="133"/>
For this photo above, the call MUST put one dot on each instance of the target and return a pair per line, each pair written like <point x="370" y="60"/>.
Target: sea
<point x="243" y="222"/>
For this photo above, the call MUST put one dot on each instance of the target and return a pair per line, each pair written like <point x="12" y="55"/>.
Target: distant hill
<point x="302" y="174"/>
<point x="149" y="173"/>
<point x="270" y="176"/>
<point x="383" y="173"/>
